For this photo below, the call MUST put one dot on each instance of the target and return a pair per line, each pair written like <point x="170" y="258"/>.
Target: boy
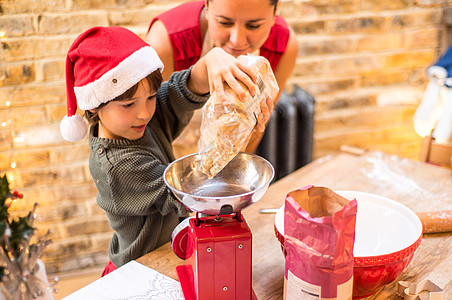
<point x="115" y="77"/>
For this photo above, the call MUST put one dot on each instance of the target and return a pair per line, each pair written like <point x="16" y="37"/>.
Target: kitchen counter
<point x="421" y="187"/>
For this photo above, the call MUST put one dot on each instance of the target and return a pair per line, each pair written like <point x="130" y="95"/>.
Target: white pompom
<point x="73" y="128"/>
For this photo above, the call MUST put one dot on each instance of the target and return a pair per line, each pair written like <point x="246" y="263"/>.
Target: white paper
<point x="301" y="290"/>
<point x="132" y="281"/>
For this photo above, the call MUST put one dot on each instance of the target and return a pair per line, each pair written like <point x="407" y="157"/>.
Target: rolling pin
<point x="432" y="221"/>
<point x="436" y="221"/>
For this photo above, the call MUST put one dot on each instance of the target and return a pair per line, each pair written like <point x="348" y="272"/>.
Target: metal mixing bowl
<point x="241" y="183"/>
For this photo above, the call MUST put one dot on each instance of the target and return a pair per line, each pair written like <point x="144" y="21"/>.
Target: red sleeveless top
<point x="182" y="24"/>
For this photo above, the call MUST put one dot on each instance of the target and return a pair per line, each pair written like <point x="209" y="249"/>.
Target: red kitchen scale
<point x="216" y="243"/>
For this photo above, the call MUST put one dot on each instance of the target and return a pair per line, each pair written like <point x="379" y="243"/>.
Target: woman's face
<point x="127" y="119"/>
<point x="239" y="27"/>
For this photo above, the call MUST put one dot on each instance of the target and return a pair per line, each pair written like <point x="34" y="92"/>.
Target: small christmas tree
<point x="18" y="255"/>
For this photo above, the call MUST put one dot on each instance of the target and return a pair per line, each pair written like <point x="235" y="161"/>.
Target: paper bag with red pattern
<point x="319" y="229"/>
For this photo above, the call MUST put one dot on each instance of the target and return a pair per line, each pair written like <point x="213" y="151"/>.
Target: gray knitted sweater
<point x="128" y="175"/>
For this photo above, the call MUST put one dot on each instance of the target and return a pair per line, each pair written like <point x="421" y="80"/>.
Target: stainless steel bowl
<point x="241" y="183"/>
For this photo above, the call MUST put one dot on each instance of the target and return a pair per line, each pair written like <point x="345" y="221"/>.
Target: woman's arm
<point x="287" y="63"/>
<point x="158" y="38"/>
<point x="282" y="73"/>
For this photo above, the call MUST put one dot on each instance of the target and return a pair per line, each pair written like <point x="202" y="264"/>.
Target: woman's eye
<point x="127" y="105"/>
<point x="253" y="26"/>
<point x="152" y="97"/>
<point x="226" y="24"/>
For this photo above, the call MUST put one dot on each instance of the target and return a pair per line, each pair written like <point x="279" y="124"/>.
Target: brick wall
<point x="364" y="61"/>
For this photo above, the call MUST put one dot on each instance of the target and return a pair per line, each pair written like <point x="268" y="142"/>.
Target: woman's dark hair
<point x="154" y="79"/>
<point x="272" y="3"/>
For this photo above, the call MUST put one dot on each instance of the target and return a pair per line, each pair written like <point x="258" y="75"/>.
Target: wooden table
<point x="419" y="186"/>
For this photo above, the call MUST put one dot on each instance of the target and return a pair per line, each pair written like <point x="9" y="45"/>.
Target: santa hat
<point x="102" y="64"/>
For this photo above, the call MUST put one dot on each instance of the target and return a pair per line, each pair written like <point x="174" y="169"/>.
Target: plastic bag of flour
<point x="319" y="235"/>
<point x="226" y="128"/>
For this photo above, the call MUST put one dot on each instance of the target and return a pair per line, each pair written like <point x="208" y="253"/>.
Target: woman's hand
<point x="224" y="68"/>
<point x="266" y="111"/>
<point x="262" y="120"/>
<point x="216" y="70"/>
<point x="221" y="69"/>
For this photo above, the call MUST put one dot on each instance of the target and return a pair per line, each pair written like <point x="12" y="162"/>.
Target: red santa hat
<point x="102" y="64"/>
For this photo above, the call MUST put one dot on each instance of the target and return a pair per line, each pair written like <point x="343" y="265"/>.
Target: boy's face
<point x="127" y="119"/>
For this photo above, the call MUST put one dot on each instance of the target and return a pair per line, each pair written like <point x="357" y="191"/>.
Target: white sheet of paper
<point x="132" y="281"/>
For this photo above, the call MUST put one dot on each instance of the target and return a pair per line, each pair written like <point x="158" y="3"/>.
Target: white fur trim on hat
<point x="73" y="128"/>
<point x="118" y="80"/>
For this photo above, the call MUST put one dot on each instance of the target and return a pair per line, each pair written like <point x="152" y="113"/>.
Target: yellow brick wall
<point x="364" y="62"/>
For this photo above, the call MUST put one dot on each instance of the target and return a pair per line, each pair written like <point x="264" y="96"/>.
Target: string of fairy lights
<point x="6" y="123"/>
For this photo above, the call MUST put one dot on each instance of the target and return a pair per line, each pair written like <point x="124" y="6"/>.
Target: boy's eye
<point x="128" y="105"/>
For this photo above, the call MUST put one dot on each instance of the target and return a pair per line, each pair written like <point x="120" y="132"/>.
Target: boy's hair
<point x="154" y="79"/>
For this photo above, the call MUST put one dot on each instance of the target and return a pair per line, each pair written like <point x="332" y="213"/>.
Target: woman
<point x="185" y="33"/>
